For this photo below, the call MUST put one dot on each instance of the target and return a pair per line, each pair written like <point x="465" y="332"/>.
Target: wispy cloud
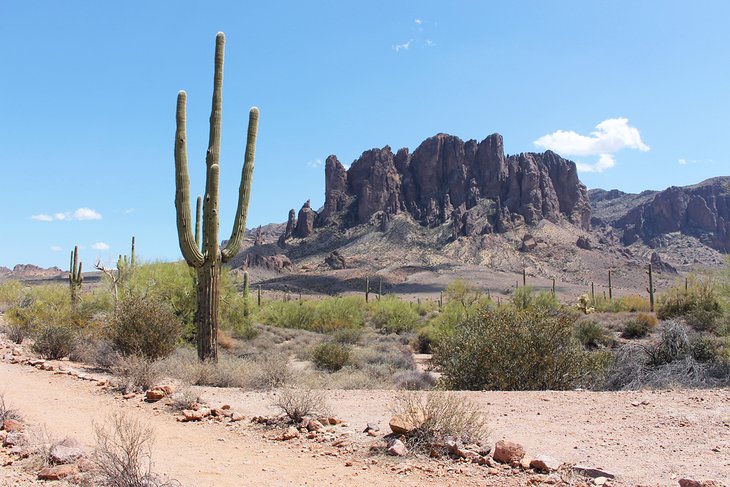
<point x="403" y="47"/>
<point x="128" y="211"/>
<point x="610" y="136"/>
<point x="56" y="248"/>
<point x="418" y="21"/>
<point x="315" y="163"/>
<point x="78" y="214"/>
<point x="100" y="246"/>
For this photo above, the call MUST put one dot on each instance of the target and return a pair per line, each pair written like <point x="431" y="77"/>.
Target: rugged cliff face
<point x="473" y="186"/>
<point x="702" y="211"/>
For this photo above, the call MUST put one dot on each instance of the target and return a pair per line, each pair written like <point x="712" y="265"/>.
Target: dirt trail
<point x="647" y="438"/>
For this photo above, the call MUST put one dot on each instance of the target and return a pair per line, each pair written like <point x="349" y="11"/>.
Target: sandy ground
<point x="645" y="438"/>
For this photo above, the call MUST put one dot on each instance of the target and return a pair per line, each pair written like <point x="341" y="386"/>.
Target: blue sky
<point x="87" y="101"/>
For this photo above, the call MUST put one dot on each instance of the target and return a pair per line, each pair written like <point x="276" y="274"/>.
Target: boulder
<point x="584" y="243"/>
<point x="398" y="449"/>
<point x="508" y="452"/>
<point x="405" y="424"/>
<point x="335" y="260"/>
<point x="154" y="395"/>
<point x="545" y="463"/>
<point x="66" y="451"/>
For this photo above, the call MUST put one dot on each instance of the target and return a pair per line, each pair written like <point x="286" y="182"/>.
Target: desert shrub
<point x="649" y="319"/>
<point x="16" y="332"/>
<point x="347" y="336"/>
<point x="427" y="339"/>
<point x="634" y="303"/>
<point x="38" y="306"/>
<point x="592" y="335"/>
<point x="391" y="315"/>
<point x="699" y="304"/>
<point x="10" y="293"/>
<point x="706" y="349"/>
<point x="136" y="372"/>
<point x="235" y="316"/>
<point x="323" y="316"/>
<point x="604" y="305"/>
<point x="333" y="314"/>
<point x="6" y="412"/>
<point x="93" y="350"/>
<point x="525" y="297"/>
<point x="54" y="341"/>
<point x="295" y="404"/>
<point x="673" y="344"/>
<point x="438" y="417"/>
<point x="330" y="356"/>
<point x="512" y="349"/>
<point x="413" y="380"/>
<point x="123" y="454"/>
<point x="425" y="307"/>
<point x="145" y="326"/>
<point x="634" y="328"/>
<point x="183" y="398"/>
<point x="384" y="351"/>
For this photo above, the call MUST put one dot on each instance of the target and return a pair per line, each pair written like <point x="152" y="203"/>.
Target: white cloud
<point x="79" y="214"/>
<point x="682" y="162"/>
<point x="100" y="246"/>
<point x="428" y="43"/>
<point x="403" y="47"/>
<point x="605" y="161"/>
<point x="315" y="163"/>
<point x="86" y="214"/>
<point x="610" y="136"/>
<point x="56" y="248"/>
<point x="128" y="211"/>
<point x="418" y="21"/>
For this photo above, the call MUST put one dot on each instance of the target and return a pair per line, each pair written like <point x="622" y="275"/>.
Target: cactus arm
<point x="244" y="190"/>
<point x="210" y="214"/>
<point x="132" y="259"/>
<point x="198" y="206"/>
<point x="190" y="252"/>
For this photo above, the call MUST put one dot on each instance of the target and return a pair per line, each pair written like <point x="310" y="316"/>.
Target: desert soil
<point x="645" y="438"/>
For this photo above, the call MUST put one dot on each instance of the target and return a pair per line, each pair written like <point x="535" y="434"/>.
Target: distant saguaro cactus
<point x="75" y="277"/>
<point x="207" y="258"/>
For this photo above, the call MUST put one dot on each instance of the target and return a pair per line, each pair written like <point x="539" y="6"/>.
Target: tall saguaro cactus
<point x="207" y="257"/>
<point x="75" y="276"/>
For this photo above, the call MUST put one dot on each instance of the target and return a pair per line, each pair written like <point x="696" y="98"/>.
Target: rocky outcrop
<point x="291" y="224"/>
<point x="473" y="186"/>
<point x="305" y="221"/>
<point x="702" y="211"/>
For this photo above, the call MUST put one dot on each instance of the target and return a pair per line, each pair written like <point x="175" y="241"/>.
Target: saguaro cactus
<point x="651" y="289"/>
<point x="75" y="277"/>
<point x="207" y="258"/>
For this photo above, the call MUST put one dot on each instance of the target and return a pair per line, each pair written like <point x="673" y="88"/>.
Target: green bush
<point x="391" y="315"/>
<point x="698" y="304"/>
<point x="54" y="341"/>
<point x="10" y="293"/>
<point x="592" y="335"/>
<point x="330" y="356"/>
<point x="145" y="326"/>
<point x="525" y="297"/>
<point x="513" y="349"/>
<point x="673" y="344"/>
<point x="635" y="328"/>
<point x="323" y="316"/>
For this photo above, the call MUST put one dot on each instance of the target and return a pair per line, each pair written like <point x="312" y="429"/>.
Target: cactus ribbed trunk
<point x="207" y="315"/>
<point x="201" y="249"/>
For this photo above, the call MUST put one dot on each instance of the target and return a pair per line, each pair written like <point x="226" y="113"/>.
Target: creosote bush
<point x="295" y="404"/>
<point x="635" y="328"/>
<point x="145" y="326"/>
<point x="391" y="315"/>
<point x="512" y="349"/>
<point x="53" y="342"/>
<point x="324" y="316"/>
<point x="438" y="417"/>
<point x="330" y="356"/>
<point x="592" y="335"/>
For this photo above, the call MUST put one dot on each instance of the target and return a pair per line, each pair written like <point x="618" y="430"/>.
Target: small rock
<point x="237" y="417"/>
<point x="698" y="483"/>
<point x="14" y="438"/>
<point x="314" y="425"/>
<point x="508" y="452"/>
<point x="592" y="472"/>
<point x="190" y="415"/>
<point x="10" y="425"/>
<point x="129" y="395"/>
<point x="398" y="449"/>
<point x="600" y="480"/>
<point x="405" y="423"/>
<point x="371" y="427"/>
<point x="66" y="451"/>
<point x="290" y="433"/>
<point x="58" y="472"/>
<point x="333" y="421"/>
<point x="154" y="395"/>
<point x="226" y="406"/>
<point x="545" y="463"/>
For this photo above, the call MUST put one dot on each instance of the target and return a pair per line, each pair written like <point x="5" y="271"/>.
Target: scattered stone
<point x="371" y="427"/>
<point x="226" y="406"/>
<point x="192" y="415"/>
<point x="398" y="449"/>
<point x="13" y="438"/>
<point x="314" y="425"/>
<point x="335" y="260"/>
<point x="600" y="481"/>
<point x="698" y="483"/>
<point x="290" y="433"/>
<point x="129" y="395"/>
<point x="592" y="472"/>
<point x="508" y="452"/>
<point x="58" y="472"/>
<point x="66" y="451"/>
<point x="10" y="425"/>
<point x="404" y="424"/>
<point x="545" y="463"/>
<point x="154" y="395"/>
<point x="584" y="243"/>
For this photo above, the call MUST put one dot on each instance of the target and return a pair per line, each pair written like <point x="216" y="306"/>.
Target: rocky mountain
<point x="30" y="271"/>
<point x="471" y="185"/>
<point x="701" y="211"/>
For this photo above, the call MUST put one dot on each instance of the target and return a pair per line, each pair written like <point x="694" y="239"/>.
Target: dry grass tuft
<point x="298" y="403"/>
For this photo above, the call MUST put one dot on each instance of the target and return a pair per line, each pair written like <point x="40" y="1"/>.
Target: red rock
<point x="12" y="425"/>
<point x="545" y="463"/>
<point x="154" y="395"/>
<point x="508" y="452"/>
<point x="58" y="472"/>
<point x="398" y="449"/>
<point x="192" y="415"/>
